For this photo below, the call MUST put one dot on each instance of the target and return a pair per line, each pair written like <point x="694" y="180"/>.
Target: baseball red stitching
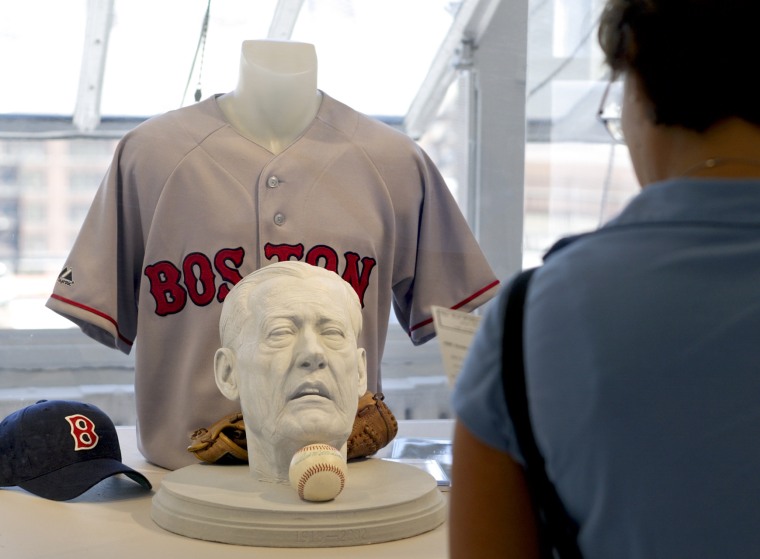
<point x="317" y="446"/>
<point x="315" y="469"/>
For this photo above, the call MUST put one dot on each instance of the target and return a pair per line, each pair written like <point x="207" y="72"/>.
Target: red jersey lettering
<point x="199" y="278"/>
<point x="230" y="275"/>
<point x="281" y="253"/>
<point x="164" y="278"/>
<point x="324" y="256"/>
<point x="359" y="281"/>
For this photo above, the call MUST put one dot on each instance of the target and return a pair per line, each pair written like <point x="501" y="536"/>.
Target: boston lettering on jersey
<point x="195" y="279"/>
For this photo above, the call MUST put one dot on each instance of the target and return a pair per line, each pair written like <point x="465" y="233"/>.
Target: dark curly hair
<point x="696" y="58"/>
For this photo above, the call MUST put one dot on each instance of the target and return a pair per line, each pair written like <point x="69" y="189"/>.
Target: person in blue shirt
<point x="641" y="350"/>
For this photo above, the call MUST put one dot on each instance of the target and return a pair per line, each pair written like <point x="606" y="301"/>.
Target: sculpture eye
<point x="281" y="333"/>
<point x="334" y="337"/>
<point x="332" y="330"/>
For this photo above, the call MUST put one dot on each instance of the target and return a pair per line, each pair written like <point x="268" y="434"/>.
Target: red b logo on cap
<point x="83" y="431"/>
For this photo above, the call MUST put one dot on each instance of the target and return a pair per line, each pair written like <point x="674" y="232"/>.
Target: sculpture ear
<point x="362" y="360"/>
<point x="225" y="373"/>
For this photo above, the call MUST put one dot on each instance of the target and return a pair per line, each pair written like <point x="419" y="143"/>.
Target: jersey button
<point x="273" y="182"/>
<point x="279" y="219"/>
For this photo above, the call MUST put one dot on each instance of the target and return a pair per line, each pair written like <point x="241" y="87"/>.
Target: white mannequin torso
<point x="276" y="97"/>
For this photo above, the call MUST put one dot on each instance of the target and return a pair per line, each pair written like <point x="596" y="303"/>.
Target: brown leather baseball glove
<point x="224" y="442"/>
<point x="374" y="426"/>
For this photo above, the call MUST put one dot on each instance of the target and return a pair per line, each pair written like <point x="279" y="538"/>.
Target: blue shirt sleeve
<point x="478" y="397"/>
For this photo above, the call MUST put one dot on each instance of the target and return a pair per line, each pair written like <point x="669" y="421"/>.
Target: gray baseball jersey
<point x="189" y="206"/>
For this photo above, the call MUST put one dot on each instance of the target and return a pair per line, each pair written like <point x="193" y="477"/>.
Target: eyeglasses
<point x="611" y="108"/>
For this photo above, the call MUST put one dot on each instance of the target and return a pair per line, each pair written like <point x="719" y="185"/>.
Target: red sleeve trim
<point x="95" y="312"/>
<point x="458" y="305"/>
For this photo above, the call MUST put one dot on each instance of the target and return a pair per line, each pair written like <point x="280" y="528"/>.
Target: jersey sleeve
<point x="97" y="286"/>
<point x="449" y="267"/>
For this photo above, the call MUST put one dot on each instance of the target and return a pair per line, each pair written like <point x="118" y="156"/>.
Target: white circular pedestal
<point x="382" y="501"/>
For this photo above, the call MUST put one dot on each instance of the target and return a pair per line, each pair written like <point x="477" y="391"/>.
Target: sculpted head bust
<point x="289" y="335"/>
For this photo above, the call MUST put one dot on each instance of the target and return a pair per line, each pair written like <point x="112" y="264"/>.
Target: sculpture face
<point x="296" y="368"/>
<point x="302" y="362"/>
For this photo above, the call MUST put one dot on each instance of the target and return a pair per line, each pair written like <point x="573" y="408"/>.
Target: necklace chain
<point x="713" y="162"/>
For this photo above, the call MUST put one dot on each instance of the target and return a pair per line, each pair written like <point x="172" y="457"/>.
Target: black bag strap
<point x="558" y="532"/>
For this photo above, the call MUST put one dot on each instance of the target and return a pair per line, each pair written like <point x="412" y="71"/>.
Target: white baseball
<point x="318" y="472"/>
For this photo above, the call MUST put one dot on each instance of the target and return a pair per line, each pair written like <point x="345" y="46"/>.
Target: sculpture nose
<point x="310" y="356"/>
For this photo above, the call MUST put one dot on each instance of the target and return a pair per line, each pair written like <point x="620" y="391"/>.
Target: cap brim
<point x="73" y="480"/>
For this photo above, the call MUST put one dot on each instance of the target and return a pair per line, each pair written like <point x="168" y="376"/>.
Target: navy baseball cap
<point x="58" y="449"/>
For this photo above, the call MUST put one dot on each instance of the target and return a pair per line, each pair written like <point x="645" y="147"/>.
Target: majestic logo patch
<point x="83" y="432"/>
<point x="66" y="277"/>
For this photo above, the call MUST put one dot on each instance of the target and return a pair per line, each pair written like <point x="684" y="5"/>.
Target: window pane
<point x="576" y="177"/>
<point x="46" y="188"/>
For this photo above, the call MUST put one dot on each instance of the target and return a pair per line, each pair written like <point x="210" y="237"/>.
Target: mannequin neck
<point x="276" y="97"/>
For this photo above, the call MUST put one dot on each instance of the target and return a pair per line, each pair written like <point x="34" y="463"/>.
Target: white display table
<point x="113" y="520"/>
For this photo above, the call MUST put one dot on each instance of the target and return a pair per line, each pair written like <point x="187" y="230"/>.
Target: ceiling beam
<point x="284" y="19"/>
<point x="470" y="22"/>
<point x="87" y="110"/>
